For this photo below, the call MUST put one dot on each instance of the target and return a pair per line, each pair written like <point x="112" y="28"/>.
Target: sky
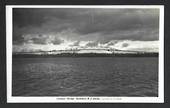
<point x="48" y="29"/>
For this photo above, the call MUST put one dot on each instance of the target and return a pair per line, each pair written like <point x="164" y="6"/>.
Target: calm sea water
<point x="95" y="76"/>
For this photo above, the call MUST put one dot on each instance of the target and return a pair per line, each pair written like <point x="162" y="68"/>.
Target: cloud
<point x="46" y="26"/>
<point x="57" y="41"/>
<point x="76" y="43"/>
<point x="148" y="46"/>
<point x="92" y="44"/>
<point x="41" y="39"/>
<point x="125" y="44"/>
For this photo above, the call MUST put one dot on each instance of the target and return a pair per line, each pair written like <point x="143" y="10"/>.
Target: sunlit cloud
<point x="147" y="46"/>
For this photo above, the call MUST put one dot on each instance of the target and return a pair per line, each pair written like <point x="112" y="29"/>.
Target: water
<point x="95" y="76"/>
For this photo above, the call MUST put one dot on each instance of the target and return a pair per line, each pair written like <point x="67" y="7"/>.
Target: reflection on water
<point x="97" y="76"/>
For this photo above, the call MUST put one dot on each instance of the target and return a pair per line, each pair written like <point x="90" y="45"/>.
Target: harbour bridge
<point x="74" y="50"/>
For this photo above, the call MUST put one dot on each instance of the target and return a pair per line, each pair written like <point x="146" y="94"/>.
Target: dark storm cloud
<point x="101" y="25"/>
<point x="123" y="20"/>
<point x="27" y="17"/>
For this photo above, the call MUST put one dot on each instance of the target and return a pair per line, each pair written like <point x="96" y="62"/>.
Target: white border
<point x="66" y="99"/>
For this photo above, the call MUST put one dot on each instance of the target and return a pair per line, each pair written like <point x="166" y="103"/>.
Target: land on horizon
<point x="86" y="53"/>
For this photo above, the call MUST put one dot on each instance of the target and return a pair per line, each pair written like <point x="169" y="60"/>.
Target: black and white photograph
<point x="85" y="54"/>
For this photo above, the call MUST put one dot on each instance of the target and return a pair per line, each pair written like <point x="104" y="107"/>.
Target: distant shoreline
<point x="83" y="55"/>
